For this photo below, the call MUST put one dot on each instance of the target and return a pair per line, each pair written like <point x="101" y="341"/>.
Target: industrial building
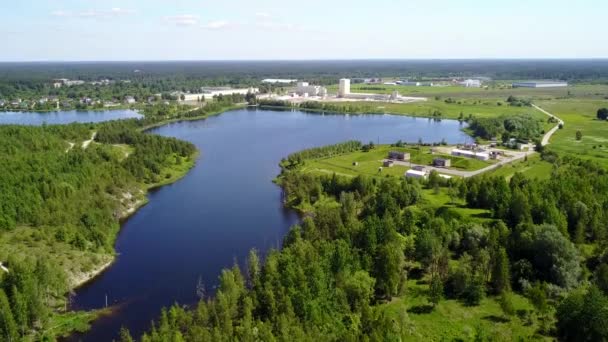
<point x="540" y="84"/>
<point x="470" y="154"/>
<point x="344" y="87"/>
<point x="278" y="80"/>
<point x="398" y="155"/>
<point x="215" y="91"/>
<point x="305" y="89"/>
<point x="442" y="162"/>
<point x="470" y="83"/>
<point x="415" y="174"/>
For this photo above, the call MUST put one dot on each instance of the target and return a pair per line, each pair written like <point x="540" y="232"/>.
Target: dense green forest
<point x="366" y="236"/>
<point x="58" y="193"/>
<point x="522" y="127"/>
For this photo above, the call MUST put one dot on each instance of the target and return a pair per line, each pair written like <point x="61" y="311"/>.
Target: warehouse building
<point x="470" y="154"/>
<point x="540" y="84"/>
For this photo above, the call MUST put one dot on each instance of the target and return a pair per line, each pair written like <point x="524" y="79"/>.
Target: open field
<point x="589" y="91"/>
<point x="369" y="162"/>
<point x="534" y="167"/>
<point x="464" y="107"/>
<point x="579" y="115"/>
<point x="452" y="320"/>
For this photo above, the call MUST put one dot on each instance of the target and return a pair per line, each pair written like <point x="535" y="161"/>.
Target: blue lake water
<point x="225" y="206"/>
<point x="65" y="117"/>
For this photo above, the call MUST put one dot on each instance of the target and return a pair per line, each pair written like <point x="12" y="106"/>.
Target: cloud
<point x="216" y="25"/>
<point x="183" y="19"/>
<point x="60" y="13"/>
<point x="113" y="12"/>
<point x="262" y="15"/>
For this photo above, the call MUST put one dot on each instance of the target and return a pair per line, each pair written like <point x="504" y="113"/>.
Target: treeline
<point x="338" y="107"/>
<point x="521" y="126"/>
<point x="295" y="159"/>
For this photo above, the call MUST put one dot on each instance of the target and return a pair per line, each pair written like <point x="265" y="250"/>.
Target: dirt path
<point x="69" y="148"/>
<point x="548" y="135"/>
<point x="86" y="143"/>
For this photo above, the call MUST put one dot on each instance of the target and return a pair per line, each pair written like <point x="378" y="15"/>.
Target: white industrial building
<point x="208" y="93"/>
<point x="540" y="84"/>
<point x="305" y="89"/>
<point x="471" y="154"/>
<point x="344" y="87"/>
<point x="278" y="80"/>
<point x="415" y="174"/>
<point x="470" y="83"/>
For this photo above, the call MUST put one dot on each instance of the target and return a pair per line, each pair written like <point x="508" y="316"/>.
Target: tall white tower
<point x="344" y="88"/>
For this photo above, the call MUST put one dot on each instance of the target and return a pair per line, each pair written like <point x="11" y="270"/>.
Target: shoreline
<point x="86" y="277"/>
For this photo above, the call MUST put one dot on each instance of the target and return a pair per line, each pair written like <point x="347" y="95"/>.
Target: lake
<point x="225" y="206"/>
<point x="65" y="117"/>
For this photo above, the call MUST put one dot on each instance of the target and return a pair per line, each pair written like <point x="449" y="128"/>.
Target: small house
<point x="355" y="163"/>
<point x="396" y="155"/>
<point x="389" y="163"/>
<point x="129" y="100"/>
<point x="442" y="162"/>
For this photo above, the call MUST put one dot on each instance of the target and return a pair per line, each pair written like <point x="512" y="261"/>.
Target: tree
<point x="579" y="135"/>
<point x="583" y="316"/>
<point x="600" y="278"/>
<point x="388" y="268"/>
<point x="500" y="271"/>
<point x="602" y="113"/>
<point x="8" y="327"/>
<point x="506" y="303"/>
<point x="125" y="335"/>
<point x="435" y="289"/>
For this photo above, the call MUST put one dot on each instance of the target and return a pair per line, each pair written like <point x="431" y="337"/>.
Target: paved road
<point x="548" y="135"/>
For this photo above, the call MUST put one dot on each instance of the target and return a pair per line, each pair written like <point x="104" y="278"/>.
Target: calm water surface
<point x="65" y="117"/>
<point x="225" y="206"/>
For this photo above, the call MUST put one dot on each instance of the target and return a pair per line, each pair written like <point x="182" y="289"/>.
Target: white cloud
<point x="60" y="13"/>
<point x="216" y="25"/>
<point x="113" y="12"/>
<point x="183" y="19"/>
<point x="262" y="15"/>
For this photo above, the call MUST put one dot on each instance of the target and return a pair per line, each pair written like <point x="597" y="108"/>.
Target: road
<point x="548" y="135"/>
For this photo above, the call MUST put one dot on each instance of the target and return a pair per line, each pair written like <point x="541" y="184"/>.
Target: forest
<point x="544" y="240"/>
<point x="522" y="127"/>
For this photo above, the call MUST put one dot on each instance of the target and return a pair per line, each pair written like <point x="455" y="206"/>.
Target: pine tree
<point x="435" y="290"/>
<point x="500" y="271"/>
<point x="8" y="327"/>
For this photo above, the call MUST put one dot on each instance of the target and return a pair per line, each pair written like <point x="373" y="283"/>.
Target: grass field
<point x="534" y="167"/>
<point x="369" y="162"/>
<point x="466" y="107"/>
<point x="579" y="115"/>
<point x="500" y="91"/>
<point x="451" y="320"/>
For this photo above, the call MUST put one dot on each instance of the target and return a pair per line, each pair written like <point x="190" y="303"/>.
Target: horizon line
<point x="313" y="60"/>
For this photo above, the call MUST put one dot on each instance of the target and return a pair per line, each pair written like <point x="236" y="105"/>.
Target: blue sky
<point x="49" y="30"/>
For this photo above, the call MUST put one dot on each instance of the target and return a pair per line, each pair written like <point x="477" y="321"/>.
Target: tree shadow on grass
<point x="496" y="319"/>
<point x="421" y="309"/>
